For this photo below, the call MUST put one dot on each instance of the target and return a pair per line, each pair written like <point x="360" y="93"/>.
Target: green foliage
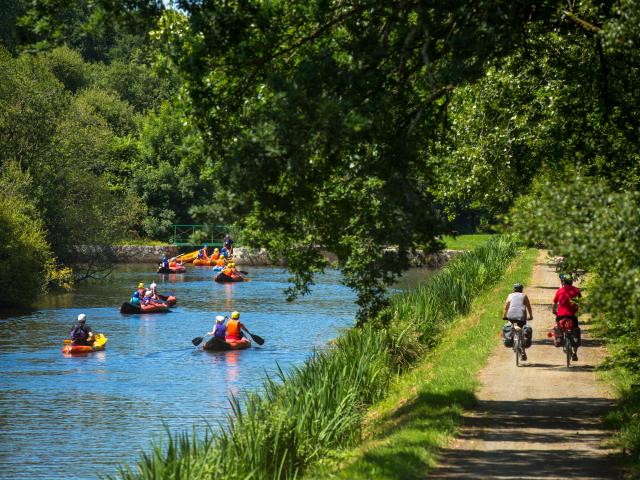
<point x="559" y="101"/>
<point x="24" y="251"/>
<point x="305" y="412"/>
<point x="598" y="230"/>
<point x="172" y="175"/>
<point x="320" y="113"/>
<point x="64" y="141"/>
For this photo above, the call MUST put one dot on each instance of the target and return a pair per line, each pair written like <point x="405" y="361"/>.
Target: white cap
<point x="82" y="317"/>
<point x="219" y="319"/>
<point x="153" y="285"/>
<point x="148" y="292"/>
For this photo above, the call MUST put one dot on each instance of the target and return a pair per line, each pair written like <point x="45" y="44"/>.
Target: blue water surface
<point x="80" y="417"/>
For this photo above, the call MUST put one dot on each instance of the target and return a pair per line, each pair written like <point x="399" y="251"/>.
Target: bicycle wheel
<point x="567" y="348"/>
<point x="516" y="347"/>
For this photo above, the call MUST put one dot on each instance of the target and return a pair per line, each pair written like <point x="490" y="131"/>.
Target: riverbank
<point x="309" y="411"/>
<point x="242" y="255"/>
<point x="405" y="432"/>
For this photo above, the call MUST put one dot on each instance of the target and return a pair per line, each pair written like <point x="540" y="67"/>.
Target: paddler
<point x="81" y="333"/>
<point x="220" y="261"/>
<point x="165" y="262"/>
<point x="235" y="327"/>
<point x="202" y="253"/>
<point x="216" y="254"/>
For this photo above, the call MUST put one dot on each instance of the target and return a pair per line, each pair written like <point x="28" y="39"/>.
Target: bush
<point x="24" y="252"/>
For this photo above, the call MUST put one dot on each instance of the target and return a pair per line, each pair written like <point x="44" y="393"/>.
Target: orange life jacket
<point x="220" y="262"/>
<point x="215" y="256"/>
<point x="233" y="329"/>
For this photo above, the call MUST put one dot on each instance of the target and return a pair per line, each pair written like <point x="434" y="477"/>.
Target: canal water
<point x="81" y="417"/>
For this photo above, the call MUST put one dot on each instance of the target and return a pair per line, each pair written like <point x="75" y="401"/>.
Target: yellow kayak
<point x="187" y="257"/>
<point x="99" y="343"/>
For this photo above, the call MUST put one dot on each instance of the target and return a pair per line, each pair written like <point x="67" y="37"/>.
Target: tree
<point x="320" y="114"/>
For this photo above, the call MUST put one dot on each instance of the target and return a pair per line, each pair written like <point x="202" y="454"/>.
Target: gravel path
<point x="541" y="420"/>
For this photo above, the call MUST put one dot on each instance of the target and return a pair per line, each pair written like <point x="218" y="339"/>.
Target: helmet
<point x="232" y="264"/>
<point x="147" y="293"/>
<point x="136" y="294"/>
<point x="216" y="249"/>
<point x="235" y="315"/>
<point x="567" y="280"/>
<point x="141" y="285"/>
<point x="82" y="317"/>
<point x="153" y="285"/>
<point x="517" y="287"/>
<point x="219" y="319"/>
<point x="164" y="257"/>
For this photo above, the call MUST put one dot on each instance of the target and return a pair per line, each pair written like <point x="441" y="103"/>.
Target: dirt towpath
<point x="541" y="420"/>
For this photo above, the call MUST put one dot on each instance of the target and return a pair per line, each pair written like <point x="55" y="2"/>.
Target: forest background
<point x="339" y="125"/>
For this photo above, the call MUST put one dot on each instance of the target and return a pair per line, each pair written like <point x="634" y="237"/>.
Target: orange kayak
<point x="99" y="344"/>
<point x="204" y="261"/>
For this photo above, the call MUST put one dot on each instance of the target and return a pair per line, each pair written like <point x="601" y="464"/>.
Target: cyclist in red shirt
<point x="565" y="306"/>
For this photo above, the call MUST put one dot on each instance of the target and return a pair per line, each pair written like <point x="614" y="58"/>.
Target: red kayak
<point x="218" y="345"/>
<point x="224" y="278"/>
<point x="127" y="307"/>
<point x="178" y="269"/>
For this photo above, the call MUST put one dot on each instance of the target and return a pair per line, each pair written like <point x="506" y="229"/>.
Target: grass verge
<point x="422" y="412"/>
<point x="625" y="418"/>
<point x="466" y="242"/>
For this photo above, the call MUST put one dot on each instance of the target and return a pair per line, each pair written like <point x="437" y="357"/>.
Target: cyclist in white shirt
<point x="516" y="308"/>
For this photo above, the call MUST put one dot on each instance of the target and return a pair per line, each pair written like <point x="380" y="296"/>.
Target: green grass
<point x="306" y="412"/>
<point x="625" y="416"/>
<point x="466" y="242"/>
<point x="422" y="411"/>
<point x="143" y="243"/>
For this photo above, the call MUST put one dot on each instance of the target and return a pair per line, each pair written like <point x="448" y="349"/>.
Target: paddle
<point x="256" y="338"/>
<point x="197" y="341"/>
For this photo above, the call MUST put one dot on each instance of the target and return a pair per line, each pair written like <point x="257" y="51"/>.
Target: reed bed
<point x="306" y="411"/>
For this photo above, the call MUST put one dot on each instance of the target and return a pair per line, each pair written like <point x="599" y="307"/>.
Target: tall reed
<point x="307" y="410"/>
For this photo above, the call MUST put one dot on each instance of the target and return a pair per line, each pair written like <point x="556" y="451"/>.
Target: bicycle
<point x="566" y="327"/>
<point x="518" y="343"/>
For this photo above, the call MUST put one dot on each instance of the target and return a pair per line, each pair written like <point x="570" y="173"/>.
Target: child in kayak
<point x="219" y="330"/>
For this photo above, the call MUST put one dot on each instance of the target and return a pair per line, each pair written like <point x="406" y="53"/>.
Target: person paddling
<point x="219" y="330"/>
<point x="81" y="333"/>
<point x="235" y="327"/>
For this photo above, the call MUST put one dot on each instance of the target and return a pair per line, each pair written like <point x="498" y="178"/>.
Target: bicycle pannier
<point x="507" y="335"/>
<point x="527" y="332"/>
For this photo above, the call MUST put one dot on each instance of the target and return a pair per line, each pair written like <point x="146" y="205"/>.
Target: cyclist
<point x="565" y="306"/>
<point x="516" y="308"/>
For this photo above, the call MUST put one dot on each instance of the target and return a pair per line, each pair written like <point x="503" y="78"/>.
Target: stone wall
<point x="246" y="256"/>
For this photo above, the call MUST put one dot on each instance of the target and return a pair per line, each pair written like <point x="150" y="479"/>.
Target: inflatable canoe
<point x="170" y="300"/>
<point x="204" y="261"/>
<point x="187" y="257"/>
<point x="224" y="278"/>
<point x="99" y="344"/>
<point x="179" y="269"/>
<point x="127" y="307"/>
<point x="218" y="345"/>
